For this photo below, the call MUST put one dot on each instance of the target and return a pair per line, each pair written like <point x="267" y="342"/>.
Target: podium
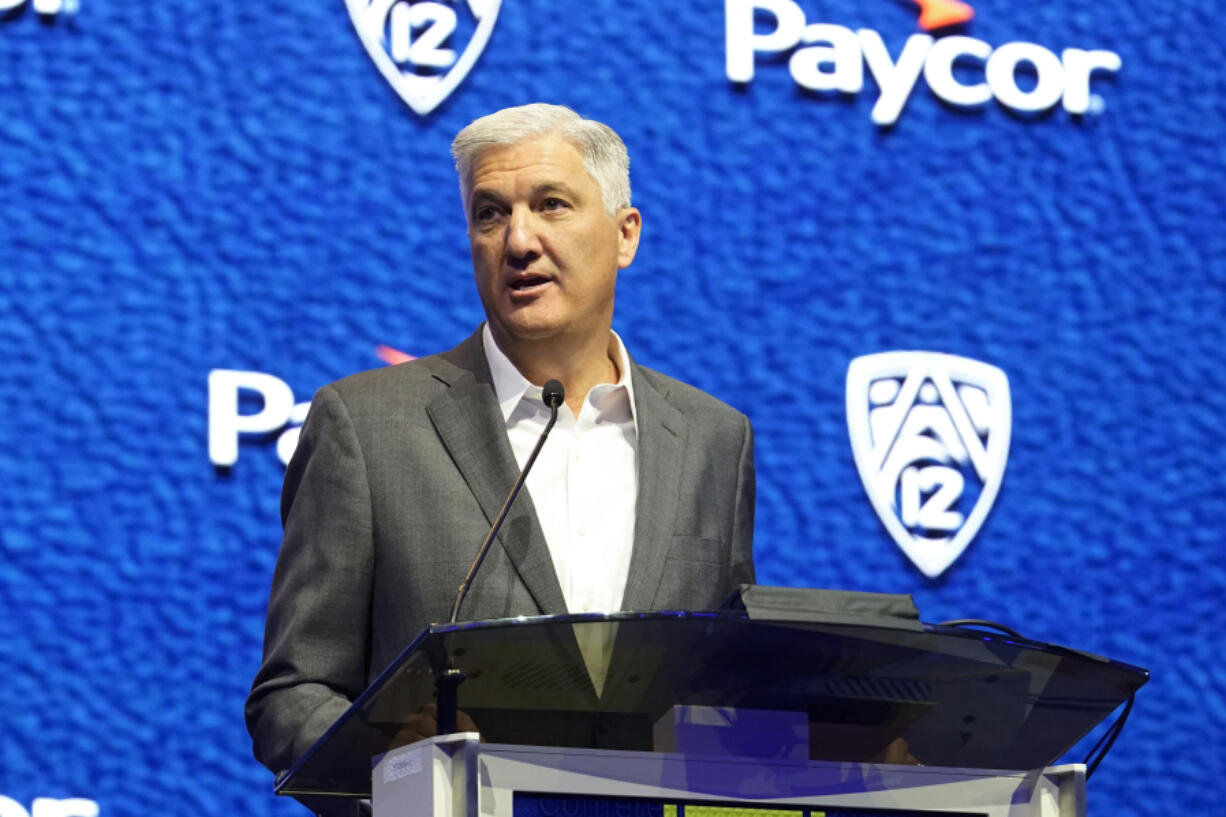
<point x="709" y="714"/>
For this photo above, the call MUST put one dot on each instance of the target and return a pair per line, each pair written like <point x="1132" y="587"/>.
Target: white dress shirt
<point x="584" y="484"/>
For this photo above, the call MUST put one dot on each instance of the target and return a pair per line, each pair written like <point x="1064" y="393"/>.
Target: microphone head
<point x="553" y="394"/>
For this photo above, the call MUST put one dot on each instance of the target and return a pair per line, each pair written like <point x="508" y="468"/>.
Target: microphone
<point x="552" y="394"/>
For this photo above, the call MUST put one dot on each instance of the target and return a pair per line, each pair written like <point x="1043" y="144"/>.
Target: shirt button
<point x="587" y="608"/>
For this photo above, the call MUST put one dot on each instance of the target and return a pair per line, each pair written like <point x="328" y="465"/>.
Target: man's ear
<point x="629" y="227"/>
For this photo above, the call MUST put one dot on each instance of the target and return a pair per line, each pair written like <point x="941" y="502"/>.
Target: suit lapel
<point x="661" y="455"/>
<point x="471" y="426"/>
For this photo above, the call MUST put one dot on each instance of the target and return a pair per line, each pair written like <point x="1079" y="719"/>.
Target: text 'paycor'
<point x="832" y="58"/>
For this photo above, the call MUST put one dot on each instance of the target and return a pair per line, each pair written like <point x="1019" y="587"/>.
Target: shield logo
<point x="412" y="43"/>
<point x="930" y="436"/>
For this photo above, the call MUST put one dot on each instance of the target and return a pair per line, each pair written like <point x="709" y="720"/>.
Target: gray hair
<point x="604" y="154"/>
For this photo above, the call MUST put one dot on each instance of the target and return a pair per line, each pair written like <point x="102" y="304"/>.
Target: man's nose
<point x="523" y="236"/>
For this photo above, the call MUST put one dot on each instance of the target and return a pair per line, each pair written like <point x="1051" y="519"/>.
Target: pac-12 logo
<point x="46" y="9"/>
<point x="930" y="436"/>
<point x="414" y="43"/>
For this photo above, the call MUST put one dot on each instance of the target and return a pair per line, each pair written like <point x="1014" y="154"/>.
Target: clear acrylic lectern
<point x="705" y="713"/>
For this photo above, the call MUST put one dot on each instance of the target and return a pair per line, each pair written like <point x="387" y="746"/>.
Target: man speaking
<point x="641" y="499"/>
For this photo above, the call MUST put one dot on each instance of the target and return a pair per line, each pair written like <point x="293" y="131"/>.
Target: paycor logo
<point x="829" y="57"/>
<point x="279" y="414"/>
<point x="279" y="417"/>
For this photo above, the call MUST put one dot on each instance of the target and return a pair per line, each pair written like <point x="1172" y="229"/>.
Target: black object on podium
<point x="956" y="697"/>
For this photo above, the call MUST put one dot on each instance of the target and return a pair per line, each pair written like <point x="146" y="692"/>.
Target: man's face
<point x="545" y="251"/>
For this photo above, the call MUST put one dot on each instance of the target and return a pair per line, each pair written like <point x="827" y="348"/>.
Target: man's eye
<point x="484" y="214"/>
<point x="553" y="204"/>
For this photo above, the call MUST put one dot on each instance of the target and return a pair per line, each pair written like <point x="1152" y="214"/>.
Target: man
<point x="642" y="497"/>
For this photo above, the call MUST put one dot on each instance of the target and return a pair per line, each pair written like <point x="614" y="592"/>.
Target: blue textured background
<point x="189" y="186"/>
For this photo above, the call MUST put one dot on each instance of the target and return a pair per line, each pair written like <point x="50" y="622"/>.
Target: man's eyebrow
<point x="555" y="187"/>
<point x="486" y="195"/>
<point x="483" y="196"/>
<point x="478" y="197"/>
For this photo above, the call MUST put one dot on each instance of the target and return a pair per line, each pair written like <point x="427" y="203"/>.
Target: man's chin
<point x="528" y="331"/>
<point x="540" y="324"/>
<point x="536" y="334"/>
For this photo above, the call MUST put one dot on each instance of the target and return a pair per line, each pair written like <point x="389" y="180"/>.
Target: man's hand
<point x="425" y="725"/>
<point x="897" y="752"/>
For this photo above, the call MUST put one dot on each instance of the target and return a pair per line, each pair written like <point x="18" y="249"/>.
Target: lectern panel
<point x="552" y="805"/>
<point x="940" y="696"/>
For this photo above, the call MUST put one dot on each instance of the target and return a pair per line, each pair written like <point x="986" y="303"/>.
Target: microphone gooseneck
<point x="552" y="394"/>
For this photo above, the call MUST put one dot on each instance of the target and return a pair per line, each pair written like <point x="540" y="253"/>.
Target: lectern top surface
<point x="953" y="697"/>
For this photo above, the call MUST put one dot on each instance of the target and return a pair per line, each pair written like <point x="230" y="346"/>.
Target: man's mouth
<point x="527" y="283"/>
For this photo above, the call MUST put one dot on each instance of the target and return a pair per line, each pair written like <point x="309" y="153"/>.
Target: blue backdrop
<point x="195" y="186"/>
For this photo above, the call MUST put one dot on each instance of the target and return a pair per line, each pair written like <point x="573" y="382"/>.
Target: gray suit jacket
<point x="399" y="473"/>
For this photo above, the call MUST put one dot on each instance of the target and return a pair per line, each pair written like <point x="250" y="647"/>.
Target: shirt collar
<point x="511" y="387"/>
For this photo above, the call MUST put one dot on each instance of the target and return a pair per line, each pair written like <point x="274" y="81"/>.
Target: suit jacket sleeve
<point x="741" y="570"/>
<point x="318" y="626"/>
